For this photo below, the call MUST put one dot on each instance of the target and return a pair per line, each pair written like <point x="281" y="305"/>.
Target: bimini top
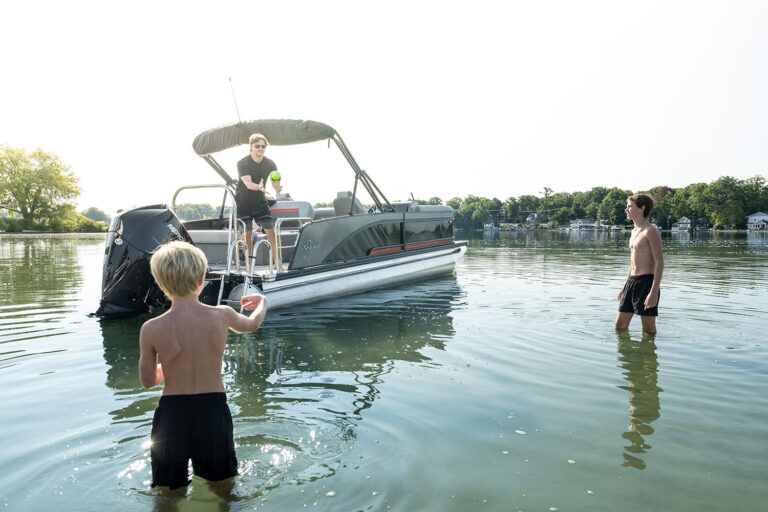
<point x="279" y="132"/>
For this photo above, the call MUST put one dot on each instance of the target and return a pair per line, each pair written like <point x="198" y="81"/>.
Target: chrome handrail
<point x="278" y="235"/>
<point x="230" y="248"/>
<point x="269" y="257"/>
<point x="232" y="211"/>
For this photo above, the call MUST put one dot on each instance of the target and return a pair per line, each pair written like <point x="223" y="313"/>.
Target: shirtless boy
<point x="640" y="295"/>
<point x="185" y="347"/>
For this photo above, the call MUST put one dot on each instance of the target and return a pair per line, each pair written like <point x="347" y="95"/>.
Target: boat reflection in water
<point x="299" y="387"/>
<point x="638" y="359"/>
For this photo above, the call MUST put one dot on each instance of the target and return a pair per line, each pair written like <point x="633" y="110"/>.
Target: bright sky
<point x="436" y="98"/>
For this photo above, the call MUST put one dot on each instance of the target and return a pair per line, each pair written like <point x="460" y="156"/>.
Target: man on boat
<point x="640" y="294"/>
<point x="251" y="194"/>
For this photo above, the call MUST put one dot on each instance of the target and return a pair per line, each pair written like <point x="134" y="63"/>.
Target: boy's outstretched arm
<point x="150" y="371"/>
<point x="242" y="323"/>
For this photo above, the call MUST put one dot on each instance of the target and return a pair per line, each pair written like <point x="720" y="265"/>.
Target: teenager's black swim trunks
<point x="197" y="427"/>
<point x="634" y="294"/>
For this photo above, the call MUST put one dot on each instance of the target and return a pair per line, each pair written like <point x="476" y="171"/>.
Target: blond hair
<point x="177" y="267"/>
<point x="257" y="137"/>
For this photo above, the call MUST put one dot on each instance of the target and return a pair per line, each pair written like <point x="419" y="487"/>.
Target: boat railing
<point x="248" y="276"/>
<point x="303" y="221"/>
<point x="270" y="268"/>
<point x="234" y="220"/>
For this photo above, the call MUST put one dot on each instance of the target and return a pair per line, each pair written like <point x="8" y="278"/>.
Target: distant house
<point x="583" y="224"/>
<point x="534" y="219"/>
<point x="682" y="224"/>
<point x="757" y="221"/>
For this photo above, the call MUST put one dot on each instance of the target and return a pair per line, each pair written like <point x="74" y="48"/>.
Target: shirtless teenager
<point x="640" y="294"/>
<point x="185" y="347"/>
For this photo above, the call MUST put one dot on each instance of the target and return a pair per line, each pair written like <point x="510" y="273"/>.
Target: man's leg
<point x="649" y="324"/>
<point x="249" y="243"/>
<point x="622" y="321"/>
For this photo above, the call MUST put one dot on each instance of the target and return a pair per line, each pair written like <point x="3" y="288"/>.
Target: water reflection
<point x="638" y="359"/>
<point x="299" y="387"/>
<point x="35" y="270"/>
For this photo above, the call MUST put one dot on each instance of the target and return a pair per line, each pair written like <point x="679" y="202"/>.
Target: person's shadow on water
<point x="641" y="371"/>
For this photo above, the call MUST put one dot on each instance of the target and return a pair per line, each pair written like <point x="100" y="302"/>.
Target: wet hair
<point x="257" y="137"/>
<point x="177" y="267"/>
<point x="643" y="200"/>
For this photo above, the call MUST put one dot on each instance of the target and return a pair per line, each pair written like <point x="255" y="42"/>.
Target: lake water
<point x="502" y="388"/>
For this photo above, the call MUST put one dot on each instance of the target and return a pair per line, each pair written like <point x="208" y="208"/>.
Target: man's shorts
<point x="633" y="296"/>
<point x="197" y="427"/>
<point x="265" y="221"/>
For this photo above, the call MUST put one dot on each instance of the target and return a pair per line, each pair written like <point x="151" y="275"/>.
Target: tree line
<point x="37" y="190"/>
<point x="725" y="201"/>
<point x="36" y="193"/>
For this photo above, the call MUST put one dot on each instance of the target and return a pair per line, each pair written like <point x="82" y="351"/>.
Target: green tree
<point x="36" y="185"/>
<point x="755" y="192"/>
<point x="454" y="202"/>
<point x="528" y="204"/>
<point x="94" y="213"/>
<point x="561" y="216"/>
<point x="547" y="192"/>
<point x="474" y="211"/>
<point x="662" y="207"/>
<point x="511" y="210"/>
<point x="435" y="200"/>
<point x="724" y="198"/>
<point x="613" y="205"/>
<point x="591" y="210"/>
<point x="70" y="221"/>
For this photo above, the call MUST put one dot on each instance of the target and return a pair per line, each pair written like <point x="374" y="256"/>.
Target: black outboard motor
<point x="127" y="285"/>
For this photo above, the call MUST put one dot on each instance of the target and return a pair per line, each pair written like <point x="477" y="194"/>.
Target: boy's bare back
<point x="189" y="341"/>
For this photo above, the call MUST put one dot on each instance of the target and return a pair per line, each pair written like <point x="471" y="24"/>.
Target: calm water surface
<point x="502" y="388"/>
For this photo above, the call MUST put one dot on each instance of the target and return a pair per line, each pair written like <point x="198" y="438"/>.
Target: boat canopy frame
<point x="283" y="132"/>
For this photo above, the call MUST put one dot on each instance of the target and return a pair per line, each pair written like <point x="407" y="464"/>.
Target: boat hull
<point x="361" y="278"/>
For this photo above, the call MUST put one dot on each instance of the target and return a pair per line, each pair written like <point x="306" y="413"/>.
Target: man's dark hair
<point x="643" y="200"/>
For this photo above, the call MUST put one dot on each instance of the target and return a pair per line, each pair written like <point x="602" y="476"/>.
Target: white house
<point x="757" y="221"/>
<point x="682" y="224"/>
<point x="583" y="224"/>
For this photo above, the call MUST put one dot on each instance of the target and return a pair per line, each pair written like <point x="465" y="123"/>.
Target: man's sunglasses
<point x="260" y="146"/>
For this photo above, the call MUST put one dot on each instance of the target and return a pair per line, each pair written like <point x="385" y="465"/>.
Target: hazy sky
<point x="433" y="98"/>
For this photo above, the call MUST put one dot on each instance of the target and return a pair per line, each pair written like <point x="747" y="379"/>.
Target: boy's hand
<point x="651" y="300"/>
<point x="250" y="302"/>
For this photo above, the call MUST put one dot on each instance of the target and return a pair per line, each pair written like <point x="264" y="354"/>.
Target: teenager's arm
<point x="242" y="323"/>
<point x="654" y="239"/>
<point x="150" y="371"/>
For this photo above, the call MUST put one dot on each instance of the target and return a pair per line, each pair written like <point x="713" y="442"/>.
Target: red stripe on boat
<point x="427" y="244"/>
<point x="284" y="210"/>
<point x="385" y="250"/>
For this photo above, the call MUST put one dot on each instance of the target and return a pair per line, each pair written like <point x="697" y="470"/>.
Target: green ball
<point x="274" y="176"/>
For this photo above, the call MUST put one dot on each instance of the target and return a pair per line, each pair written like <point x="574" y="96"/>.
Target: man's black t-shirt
<point x="252" y="202"/>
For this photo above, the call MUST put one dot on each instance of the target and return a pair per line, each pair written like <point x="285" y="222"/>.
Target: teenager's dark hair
<point x="643" y="200"/>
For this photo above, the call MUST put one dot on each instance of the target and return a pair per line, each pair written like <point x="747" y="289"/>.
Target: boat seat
<point x="324" y="213"/>
<point x="292" y="209"/>
<point x="343" y="202"/>
<point x="213" y="243"/>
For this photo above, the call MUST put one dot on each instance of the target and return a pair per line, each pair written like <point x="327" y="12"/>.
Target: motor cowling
<point x="127" y="285"/>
